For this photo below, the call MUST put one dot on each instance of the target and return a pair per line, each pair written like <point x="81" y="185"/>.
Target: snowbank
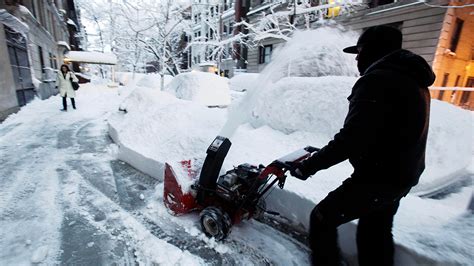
<point x="310" y="53"/>
<point x="243" y="81"/>
<point x="449" y="150"/>
<point x="317" y="105"/>
<point x="162" y="128"/>
<point x="201" y="87"/>
<point x="152" y="80"/>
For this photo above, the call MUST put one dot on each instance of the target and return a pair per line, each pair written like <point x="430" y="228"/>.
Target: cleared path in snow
<point x="64" y="198"/>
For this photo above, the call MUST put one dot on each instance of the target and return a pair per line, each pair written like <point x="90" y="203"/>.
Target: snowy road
<point x="64" y="198"/>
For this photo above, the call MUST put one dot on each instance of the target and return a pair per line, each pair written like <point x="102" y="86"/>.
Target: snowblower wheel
<point x="215" y="223"/>
<point x="260" y="209"/>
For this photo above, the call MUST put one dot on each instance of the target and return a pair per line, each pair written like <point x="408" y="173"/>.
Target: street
<point x="66" y="199"/>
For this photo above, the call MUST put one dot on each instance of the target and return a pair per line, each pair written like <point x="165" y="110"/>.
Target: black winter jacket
<point x="385" y="131"/>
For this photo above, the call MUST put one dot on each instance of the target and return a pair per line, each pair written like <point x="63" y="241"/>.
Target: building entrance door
<point x="18" y="53"/>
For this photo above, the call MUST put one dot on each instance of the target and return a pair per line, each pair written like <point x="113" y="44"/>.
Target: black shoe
<point x="74" y="107"/>
<point x="63" y="110"/>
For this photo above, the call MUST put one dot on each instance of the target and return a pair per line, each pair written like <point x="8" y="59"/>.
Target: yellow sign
<point x="333" y="11"/>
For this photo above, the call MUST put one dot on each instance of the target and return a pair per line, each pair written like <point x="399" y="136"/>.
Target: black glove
<point x="295" y="170"/>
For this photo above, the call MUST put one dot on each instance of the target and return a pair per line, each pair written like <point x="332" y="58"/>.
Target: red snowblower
<point x="232" y="197"/>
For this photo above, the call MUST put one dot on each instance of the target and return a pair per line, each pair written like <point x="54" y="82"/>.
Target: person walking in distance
<point x="384" y="137"/>
<point x="64" y="81"/>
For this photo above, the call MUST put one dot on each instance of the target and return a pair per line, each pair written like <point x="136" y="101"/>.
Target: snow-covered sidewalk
<point x="61" y="197"/>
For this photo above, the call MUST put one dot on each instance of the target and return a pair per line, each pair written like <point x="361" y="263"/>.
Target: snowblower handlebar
<point x="280" y="166"/>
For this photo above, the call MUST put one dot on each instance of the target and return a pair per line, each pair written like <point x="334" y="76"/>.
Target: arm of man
<point x="358" y="132"/>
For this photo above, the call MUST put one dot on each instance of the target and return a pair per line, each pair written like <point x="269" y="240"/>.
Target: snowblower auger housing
<point x="227" y="199"/>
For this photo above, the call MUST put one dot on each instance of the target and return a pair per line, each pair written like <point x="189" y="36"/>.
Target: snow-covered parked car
<point x="201" y="87"/>
<point x="243" y="81"/>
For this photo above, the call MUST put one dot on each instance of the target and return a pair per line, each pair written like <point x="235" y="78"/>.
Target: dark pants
<point x="375" y="210"/>
<point x="73" y="102"/>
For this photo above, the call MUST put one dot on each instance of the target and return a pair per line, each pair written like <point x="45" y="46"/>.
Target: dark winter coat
<point x="385" y="131"/>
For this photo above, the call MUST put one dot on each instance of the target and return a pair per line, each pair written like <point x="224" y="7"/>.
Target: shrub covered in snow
<point x="201" y="87"/>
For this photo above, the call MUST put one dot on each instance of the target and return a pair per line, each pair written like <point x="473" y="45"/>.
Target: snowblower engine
<point x="229" y="198"/>
<point x="240" y="183"/>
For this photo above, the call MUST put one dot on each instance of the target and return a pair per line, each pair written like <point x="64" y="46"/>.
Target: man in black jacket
<point x="384" y="137"/>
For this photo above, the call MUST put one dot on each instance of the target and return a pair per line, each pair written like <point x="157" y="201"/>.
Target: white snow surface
<point x="243" y="81"/>
<point x="34" y="196"/>
<point x="202" y="87"/>
<point x="91" y="57"/>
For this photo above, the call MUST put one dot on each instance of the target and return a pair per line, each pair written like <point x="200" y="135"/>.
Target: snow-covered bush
<point x="201" y="87"/>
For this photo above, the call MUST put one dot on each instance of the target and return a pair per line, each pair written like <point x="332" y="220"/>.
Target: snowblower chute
<point x="227" y="199"/>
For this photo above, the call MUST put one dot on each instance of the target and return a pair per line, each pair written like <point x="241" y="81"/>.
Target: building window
<point x="52" y="61"/>
<point x="458" y="78"/>
<point x="465" y="98"/>
<point x="445" y="80"/>
<point x="265" y="54"/>
<point x="40" y="54"/>
<point x="456" y="35"/>
<point x="466" y="95"/>
<point x="33" y="9"/>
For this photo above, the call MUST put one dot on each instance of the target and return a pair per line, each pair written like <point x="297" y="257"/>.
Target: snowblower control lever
<point x="280" y="166"/>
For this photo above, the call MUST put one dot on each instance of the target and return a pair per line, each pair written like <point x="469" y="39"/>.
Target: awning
<point x="65" y="44"/>
<point x="91" y="57"/>
<point x="72" y="23"/>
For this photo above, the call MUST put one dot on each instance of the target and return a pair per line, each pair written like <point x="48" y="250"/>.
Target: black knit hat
<point x="382" y="36"/>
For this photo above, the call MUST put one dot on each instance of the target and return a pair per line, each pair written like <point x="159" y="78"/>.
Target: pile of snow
<point x="317" y="105"/>
<point x="449" y="151"/>
<point x="307" y="55"/>
<point x="162" y="129"/>
<point x="310" y="53"/>
<point x="152" y="80"/>
<point x="243" y="81"/>
<point x="201" y="87"/>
